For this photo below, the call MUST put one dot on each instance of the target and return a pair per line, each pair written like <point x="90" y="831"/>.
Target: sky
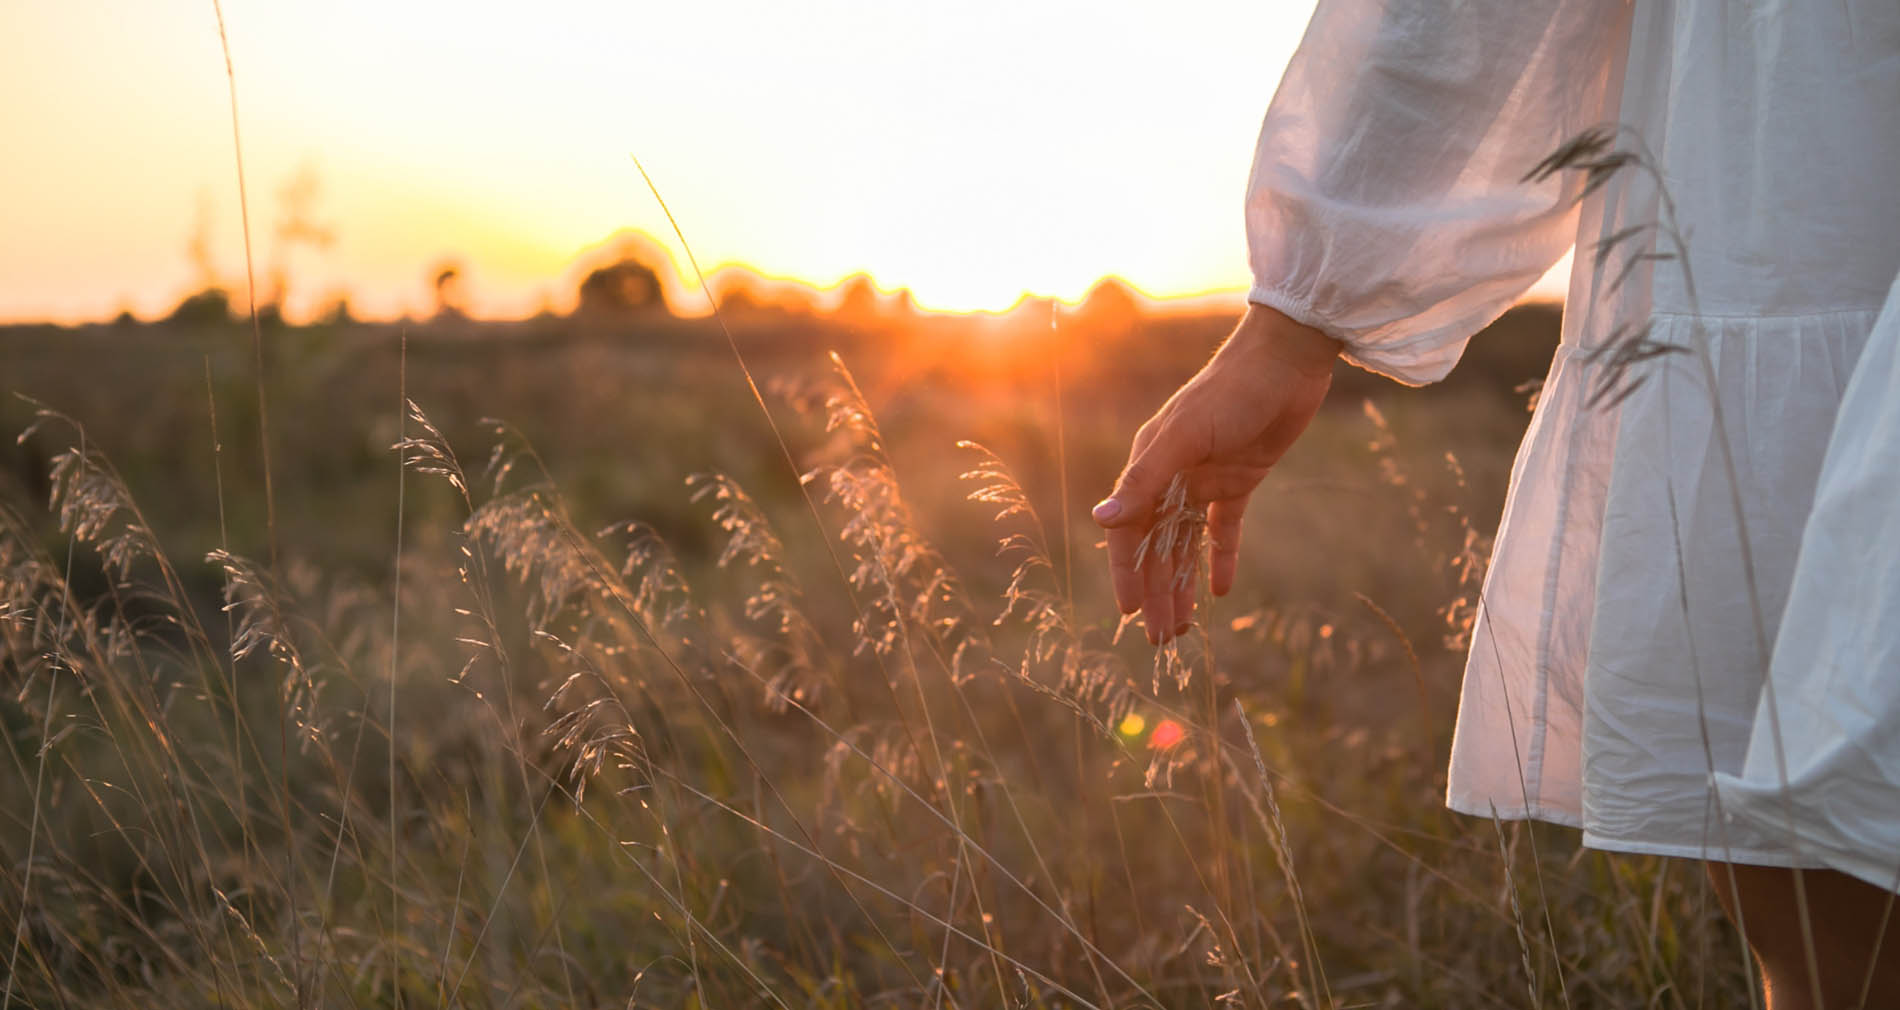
<point x="971" y="152"/>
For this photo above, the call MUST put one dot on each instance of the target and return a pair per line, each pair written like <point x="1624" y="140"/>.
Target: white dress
<point x="1657" y="507"/>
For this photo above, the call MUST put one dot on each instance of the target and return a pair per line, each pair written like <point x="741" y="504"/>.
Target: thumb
<point x="1139" y="489"/>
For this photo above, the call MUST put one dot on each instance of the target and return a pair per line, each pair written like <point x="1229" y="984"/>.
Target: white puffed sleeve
<point x="1387" y="204"/>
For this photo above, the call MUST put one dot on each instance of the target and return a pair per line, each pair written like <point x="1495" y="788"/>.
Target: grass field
<point x="623" y="701"/>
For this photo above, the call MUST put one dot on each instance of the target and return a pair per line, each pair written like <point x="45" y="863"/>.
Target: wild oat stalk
<point x="1517" y="913"/>
<point x="264" y="626"/>
<point x="1602" y="153"/>
<point x="1176" y="535"/>
<point x="1090" y="681"/>
<point x="1283" y="853"/>
<point x="790" y="657"/>
<point x="903" y="578"/>
<point x="250" y="284"/>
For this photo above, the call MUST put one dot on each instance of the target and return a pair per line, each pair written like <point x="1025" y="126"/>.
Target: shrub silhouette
<point x="203" y="308"/>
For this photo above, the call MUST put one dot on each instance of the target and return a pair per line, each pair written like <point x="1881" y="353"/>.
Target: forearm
<point x="1269" y="336"/>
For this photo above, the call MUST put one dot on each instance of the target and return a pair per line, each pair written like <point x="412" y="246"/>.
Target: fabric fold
<point x="1821" y="774"/>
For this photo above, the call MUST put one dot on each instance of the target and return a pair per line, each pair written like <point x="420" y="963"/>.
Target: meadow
<point x="560" y="670"/>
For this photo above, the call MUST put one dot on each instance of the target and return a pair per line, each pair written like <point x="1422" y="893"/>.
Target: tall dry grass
<point x="810" y="766"/>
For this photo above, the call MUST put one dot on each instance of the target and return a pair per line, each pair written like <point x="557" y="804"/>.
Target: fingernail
<point x="1106" y="510"/>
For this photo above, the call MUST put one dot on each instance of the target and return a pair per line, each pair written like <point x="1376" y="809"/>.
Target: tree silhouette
<point x="859" y="300"/>
<point x="1110" y="309"/>
<point x="621" y="288"/>
<point x="297" y="228"/>
<point x="448" y="291"/>
<point x="209" y="303"/>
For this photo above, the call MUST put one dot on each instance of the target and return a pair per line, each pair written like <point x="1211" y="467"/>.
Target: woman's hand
<point x="1225" y="429"/>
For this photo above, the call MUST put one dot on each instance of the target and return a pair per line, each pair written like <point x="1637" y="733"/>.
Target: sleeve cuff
<point x="1297" y="309"/>
<point x="1420" y="361"/>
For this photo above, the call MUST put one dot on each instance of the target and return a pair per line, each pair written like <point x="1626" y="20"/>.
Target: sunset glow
<point x="969" y="154"/>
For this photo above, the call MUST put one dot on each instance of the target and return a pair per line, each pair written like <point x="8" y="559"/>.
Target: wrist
<point x="1267" y="331"/>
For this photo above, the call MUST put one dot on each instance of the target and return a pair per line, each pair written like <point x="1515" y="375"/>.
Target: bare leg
<point x="1855" y="946"/>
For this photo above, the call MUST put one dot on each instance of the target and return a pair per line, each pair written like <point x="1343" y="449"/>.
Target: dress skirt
<point x="1661" y="614"/>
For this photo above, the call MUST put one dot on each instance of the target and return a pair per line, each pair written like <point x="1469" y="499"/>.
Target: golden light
<point x="1132" y="724"/>
<point x="968" y="154"/>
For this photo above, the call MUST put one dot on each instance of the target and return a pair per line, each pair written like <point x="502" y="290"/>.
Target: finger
<point x="1183" y="600"/>
<point x="1123" y="546"/>
<point x="1157" y="598"/>
<point x="1212" y="482"/>
<point x="1223" y="531"/>
<point x="1150" y="468"/>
